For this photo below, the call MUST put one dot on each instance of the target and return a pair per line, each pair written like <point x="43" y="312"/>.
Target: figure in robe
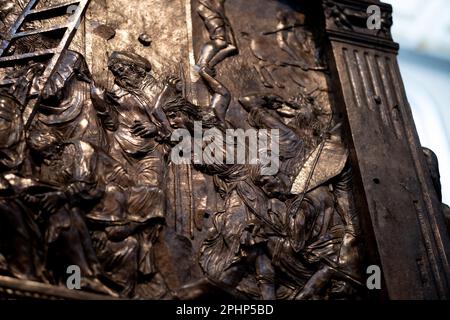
<point x="77" y="175"/>
<point x="66" y="107"/>
<point x="235" y="240"/>
<point x="21" y="250"/>
<point x="315" y="182"/>
<point x="133" y="118"/>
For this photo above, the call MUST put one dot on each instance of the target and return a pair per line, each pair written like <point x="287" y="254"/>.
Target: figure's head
<point x="72" y="66"/>
<point x="129" y="68"/>
<point x="178" y="119"/>
<point x="302" y="99"/>
<point x="181" y="114"/>
<point x="27" y="82"/>
<point x="43" y="142"/>
<point x="310" y="120"/>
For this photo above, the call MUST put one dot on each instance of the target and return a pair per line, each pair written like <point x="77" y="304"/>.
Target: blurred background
<point x="423" y="30"/>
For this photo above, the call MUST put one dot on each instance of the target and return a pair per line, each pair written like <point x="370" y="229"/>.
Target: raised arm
<point x="101" y="103"/>
<point x="262" y="114"/>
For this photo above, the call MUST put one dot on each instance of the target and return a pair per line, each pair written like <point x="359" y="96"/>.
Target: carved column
<point x="400" y="210"/>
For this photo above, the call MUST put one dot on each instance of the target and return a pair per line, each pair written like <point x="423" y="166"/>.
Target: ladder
<point x="63" y="32"/>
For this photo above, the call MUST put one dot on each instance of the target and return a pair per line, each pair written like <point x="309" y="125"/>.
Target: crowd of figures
<point x="85" y="185"/>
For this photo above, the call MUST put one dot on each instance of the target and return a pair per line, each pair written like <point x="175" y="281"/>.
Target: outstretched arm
<point x="258" y="106"/>
<point x="171" y="85"/>
<point x="252" y="102"/>
<point x="104" y="112"/>
<point x="158" y="112"/>
<point x="256" y="101"/>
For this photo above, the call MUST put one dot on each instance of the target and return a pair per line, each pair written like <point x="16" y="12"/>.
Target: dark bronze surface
<point x="87" y="178"/>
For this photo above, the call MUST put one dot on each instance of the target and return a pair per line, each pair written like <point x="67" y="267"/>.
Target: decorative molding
<point x="401" y="206"/>
<point x="347" y="20"/>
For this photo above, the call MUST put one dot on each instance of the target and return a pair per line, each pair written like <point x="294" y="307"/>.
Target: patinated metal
<point x="93" y="94"/>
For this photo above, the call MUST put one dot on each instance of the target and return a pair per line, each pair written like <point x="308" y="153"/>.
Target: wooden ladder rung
<point x="52" y="11"/>
<point x="26" y="56"/>
<point x="39" y="31"/>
